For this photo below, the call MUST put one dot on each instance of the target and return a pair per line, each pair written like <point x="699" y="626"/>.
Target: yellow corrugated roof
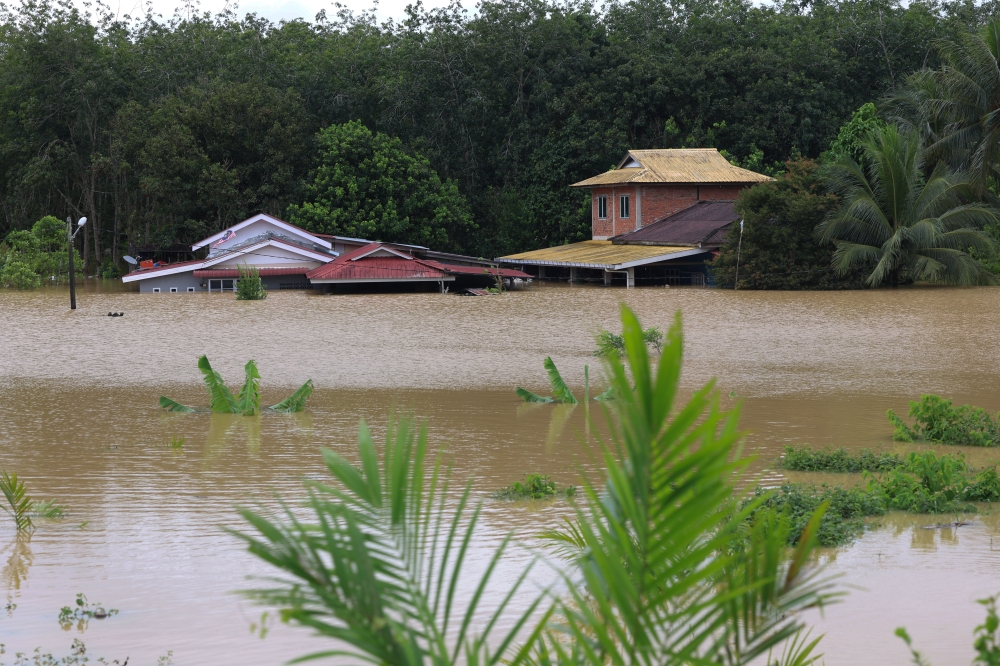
<point x="676" y="165"/>
<point x="597" y="254"/>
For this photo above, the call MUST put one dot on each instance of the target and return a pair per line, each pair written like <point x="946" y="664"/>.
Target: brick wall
<point x="653" y="202"/>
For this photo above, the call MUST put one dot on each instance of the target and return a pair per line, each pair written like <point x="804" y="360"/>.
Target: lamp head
<point x="82" y="221"/>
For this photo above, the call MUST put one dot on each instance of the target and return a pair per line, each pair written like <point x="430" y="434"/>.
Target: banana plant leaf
<point x="296" y="402"/>
<point x="607" y="395"/>
<point x="248" y="401"/>
<point x="174" y="406"/>
<point x="560" y="391"/>
<point x="528" y="396"/>
<point x="221" y="398"/>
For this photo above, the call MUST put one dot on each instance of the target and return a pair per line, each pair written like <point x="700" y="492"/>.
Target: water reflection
<point x="19" y="560"/>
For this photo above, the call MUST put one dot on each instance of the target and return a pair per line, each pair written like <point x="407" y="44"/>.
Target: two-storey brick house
<point x="649" y="185"/>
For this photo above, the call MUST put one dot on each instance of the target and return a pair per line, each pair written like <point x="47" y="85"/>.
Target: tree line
<point x="164" y="130"/>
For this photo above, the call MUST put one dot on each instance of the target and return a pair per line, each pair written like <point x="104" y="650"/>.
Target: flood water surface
<point x="144" y="525"/>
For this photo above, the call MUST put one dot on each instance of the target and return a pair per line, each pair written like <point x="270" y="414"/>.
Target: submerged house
<point x="655" y="219"/>
<point x="288" y="257"/>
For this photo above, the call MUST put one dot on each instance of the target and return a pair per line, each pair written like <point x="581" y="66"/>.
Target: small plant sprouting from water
<point x="18" y="504"/>
<point x="937" y="420"/>
<point x="176" y="443"/>
<point x="986" y="641"/>
<point x="560" y="390"/>
<point x="609" y="344"/>
<point x="247" y="402"/>
<point x="533" y="486"/>
<point x="78" y="655"/>
<point x="82" y="612"/>
<point x="806" y="459"/>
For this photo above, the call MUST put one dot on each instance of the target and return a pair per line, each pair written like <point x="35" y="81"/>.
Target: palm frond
<point x="18" y="504"/>
<point x="221" y="399"/>
<point x="560" y="391"/>
<point x="296" y="402"/>
<point x="173" y="406"/>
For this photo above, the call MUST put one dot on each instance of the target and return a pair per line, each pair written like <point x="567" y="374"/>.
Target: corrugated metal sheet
<point x="676" y="165"/>
<point x="235" y="272"/>
<point x="695" y="225"/>
<point x="594" y="254"/>
<point x="477" y="270"/>
<point x="377" y="268"/>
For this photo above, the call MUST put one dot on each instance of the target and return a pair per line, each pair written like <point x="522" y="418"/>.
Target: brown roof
<point x="674" y="165"/>
<point x="704" y="223"/>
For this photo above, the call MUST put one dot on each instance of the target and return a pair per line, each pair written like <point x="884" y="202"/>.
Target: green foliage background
<point x="178" y="127"/>
<point x="779" y="249"/>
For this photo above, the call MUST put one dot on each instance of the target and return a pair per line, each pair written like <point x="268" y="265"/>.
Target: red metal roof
<point x="235" y="272"/>
<point x="477" y="270"/>
<point x="355" y="265"/>
<point x="164" y="267"/>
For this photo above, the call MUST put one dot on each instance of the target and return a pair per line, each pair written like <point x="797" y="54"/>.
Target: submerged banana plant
<point x="247" y="402"/>
<point x="560" y="390"/>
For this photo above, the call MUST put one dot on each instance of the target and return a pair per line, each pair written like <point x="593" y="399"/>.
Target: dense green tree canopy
<point x="894" y="223"/>
<point x="368" y="186"/>
<point x="779" y="249"/>
<point x="162" y="130"/>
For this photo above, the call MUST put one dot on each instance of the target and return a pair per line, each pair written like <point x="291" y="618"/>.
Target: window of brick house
<point x="624" y="210"/>
<point x="602" y="207"/>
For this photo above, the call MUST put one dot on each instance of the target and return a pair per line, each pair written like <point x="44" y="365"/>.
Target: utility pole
<point x="70" y="235"/>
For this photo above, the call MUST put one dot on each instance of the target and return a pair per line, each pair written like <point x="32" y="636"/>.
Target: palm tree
<point x="896" y="223"/>
<point x="957" y="107"/>
<point x="662" y="565"/>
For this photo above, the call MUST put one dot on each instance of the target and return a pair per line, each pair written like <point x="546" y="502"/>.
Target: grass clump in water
<point x="82" y="612"/>
<point x="805" y="459"/>
<point x="937" y="420"/>
<point x="533" y="486"/>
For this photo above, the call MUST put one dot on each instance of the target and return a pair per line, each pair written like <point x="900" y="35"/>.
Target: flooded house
<point x="656" y="219"/>
<point x="289" y="257"/>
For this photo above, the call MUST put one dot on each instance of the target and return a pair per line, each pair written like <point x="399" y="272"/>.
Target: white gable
<point x="255" y="226"/>
<point x="630" y="163"/>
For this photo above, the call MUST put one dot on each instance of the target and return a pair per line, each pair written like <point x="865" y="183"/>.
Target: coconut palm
<point x="896" y="223"/>
<point x="246" y="402"/>
<point x="957" y="107"/>
<point x="662" y="565"/>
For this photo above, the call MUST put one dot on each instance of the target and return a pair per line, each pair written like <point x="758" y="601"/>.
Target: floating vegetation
<point x="533" y="486"/>
<point x="47" y="509"/>
<point x="560" y="390"/>
<point x="805" y="459"/>
<point x="609" y="344"/>
<point x="82" y="612"/>
<point x="936" y="420"/>
<point x="922" y="483"/>
<point x="247" y="402"/>
<point x="176" y="443"/>
<point x="842" y="522"/>
<point x="78" y="655"/>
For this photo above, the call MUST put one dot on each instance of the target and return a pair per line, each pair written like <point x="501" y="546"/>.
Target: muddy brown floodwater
<point x="143" y="533"/>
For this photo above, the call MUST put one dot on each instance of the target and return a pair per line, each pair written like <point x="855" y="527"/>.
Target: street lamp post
<point x="70" y="235"/>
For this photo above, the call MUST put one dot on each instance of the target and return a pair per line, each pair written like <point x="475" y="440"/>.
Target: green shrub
<point x="534" y="486"/>
<point x="249" y="286"/>
<point x="608" y="343"/>
<point x="843" y="520"/>
<point x="936" y="420"/>
<point x="805" y="459"/>
<point x="20" y="275"/>
<point x="928" y="483"/>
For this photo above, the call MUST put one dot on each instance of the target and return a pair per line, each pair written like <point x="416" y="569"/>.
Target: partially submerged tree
<point x="662" y="565"/>
<point x="246" y="402"/>
<point x="895" y="224"/>
<point x="560" y="389"/>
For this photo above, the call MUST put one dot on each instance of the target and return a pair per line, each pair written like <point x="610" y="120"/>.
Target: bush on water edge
<point x="923" y="483"/>
<point x="936" y="420"/>
<point x="533" y="486"/>
<point x="806" y="459"/>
